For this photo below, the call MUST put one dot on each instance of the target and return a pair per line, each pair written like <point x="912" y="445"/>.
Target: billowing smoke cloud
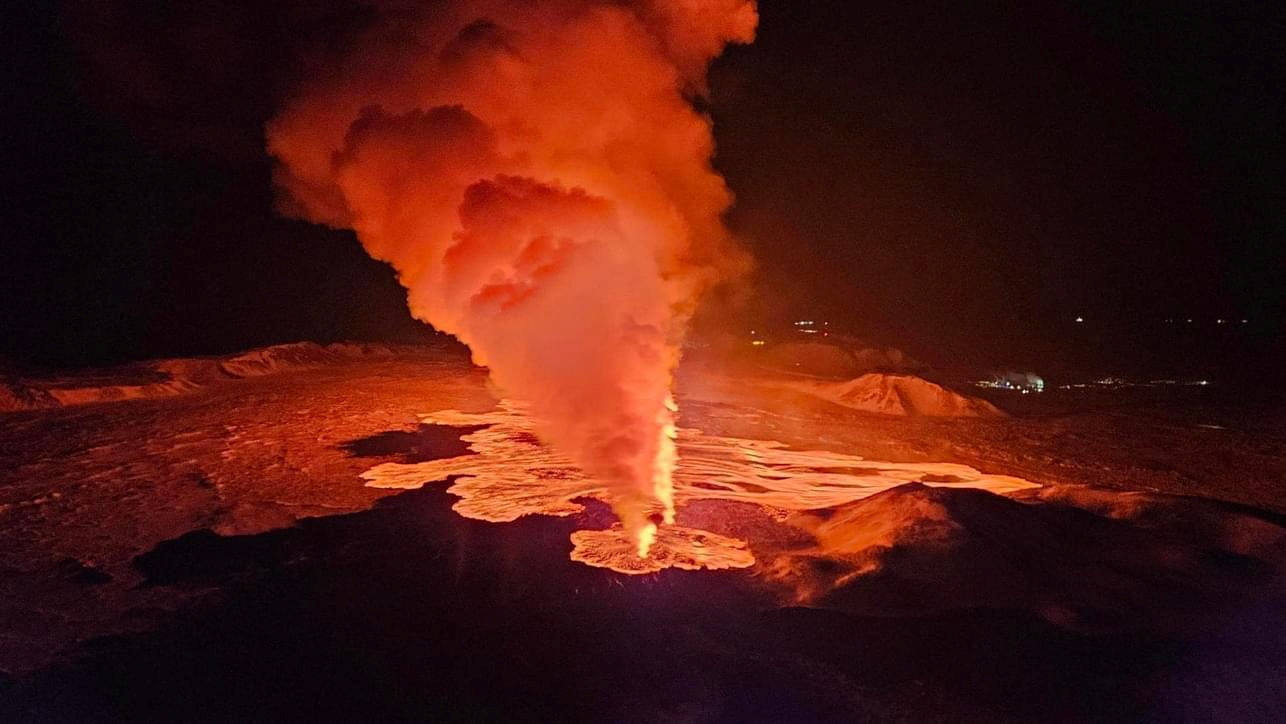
<point x="538" y="179"/>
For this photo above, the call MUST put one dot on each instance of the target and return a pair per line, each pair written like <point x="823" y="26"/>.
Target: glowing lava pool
<point x="510" y="473"/>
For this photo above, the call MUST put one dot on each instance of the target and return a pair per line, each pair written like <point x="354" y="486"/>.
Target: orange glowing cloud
<point x="538" y="179"/>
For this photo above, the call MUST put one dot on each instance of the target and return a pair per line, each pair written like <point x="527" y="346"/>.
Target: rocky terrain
<point x="216" y="551"/>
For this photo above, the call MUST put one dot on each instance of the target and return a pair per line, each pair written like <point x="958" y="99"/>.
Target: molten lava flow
<point x="510" y="474"/>
<point x="677" y="547"/>
<point x="537" y="177"/>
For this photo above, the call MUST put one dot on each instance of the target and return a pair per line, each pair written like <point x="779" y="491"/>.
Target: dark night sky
<point x="957" y="179"/>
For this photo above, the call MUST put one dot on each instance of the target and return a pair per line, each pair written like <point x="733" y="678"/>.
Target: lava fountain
<point x="540" y="182"/>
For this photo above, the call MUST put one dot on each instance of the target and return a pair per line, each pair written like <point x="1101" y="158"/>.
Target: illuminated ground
<point x="507" y="474"/>
<point x="223" y="554"/>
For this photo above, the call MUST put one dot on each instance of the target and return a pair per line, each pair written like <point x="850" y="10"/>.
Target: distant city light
<point x="1024" y="383"/>
<point x="1117" y="383"/>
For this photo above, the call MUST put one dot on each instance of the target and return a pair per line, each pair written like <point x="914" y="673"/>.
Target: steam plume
<point x="536" y="176"/>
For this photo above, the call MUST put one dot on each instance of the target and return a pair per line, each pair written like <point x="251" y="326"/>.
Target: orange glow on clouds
<point x="536" y="176"/>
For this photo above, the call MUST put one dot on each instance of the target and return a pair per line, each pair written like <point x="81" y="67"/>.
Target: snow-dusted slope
<point x="170" y="377"/>
<point x="901" y="395"/>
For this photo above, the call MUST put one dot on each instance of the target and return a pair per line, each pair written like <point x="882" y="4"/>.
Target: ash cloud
<point x="537" y="178"/>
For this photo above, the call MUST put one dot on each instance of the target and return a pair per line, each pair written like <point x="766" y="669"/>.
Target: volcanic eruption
<point x="542" y="185"/>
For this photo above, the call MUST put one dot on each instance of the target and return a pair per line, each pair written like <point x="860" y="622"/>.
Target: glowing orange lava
<point x="512" y="474"/>
<point x="674" y="546"/>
